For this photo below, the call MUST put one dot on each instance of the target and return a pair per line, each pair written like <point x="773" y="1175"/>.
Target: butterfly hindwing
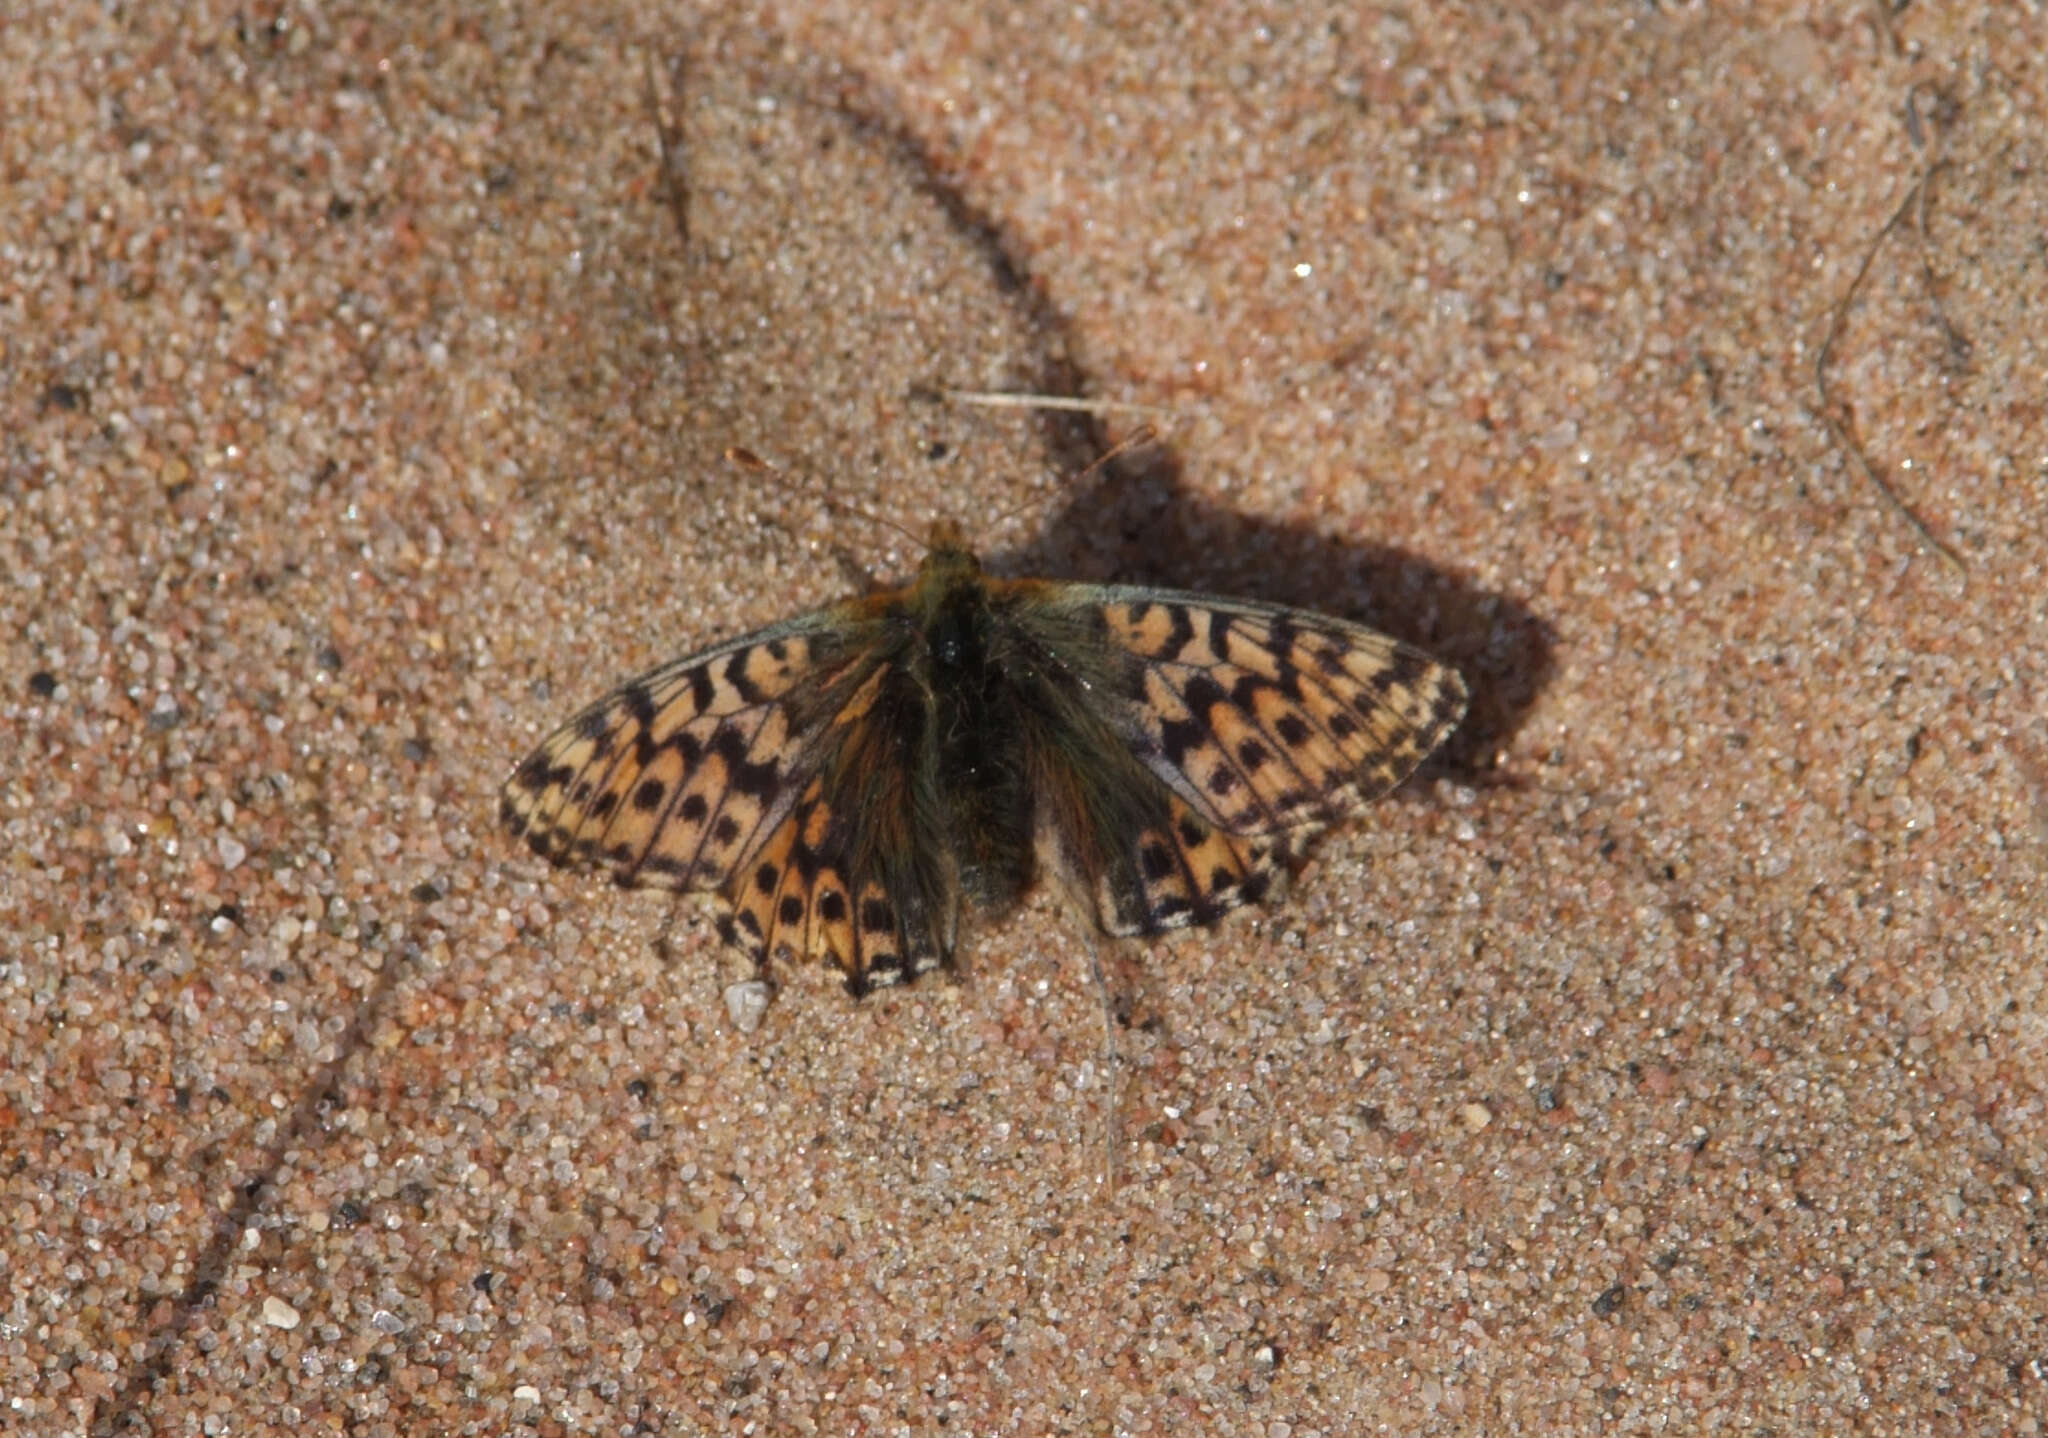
<point x="853" y="873"/>
<point x="1185" y="871"/>
<point x="805" y="893"/>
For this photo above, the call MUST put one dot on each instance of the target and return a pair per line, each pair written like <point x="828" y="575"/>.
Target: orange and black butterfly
<point x="844" y="780"/>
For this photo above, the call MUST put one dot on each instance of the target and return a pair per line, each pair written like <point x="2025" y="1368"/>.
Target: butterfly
<point x="848" y="780"/>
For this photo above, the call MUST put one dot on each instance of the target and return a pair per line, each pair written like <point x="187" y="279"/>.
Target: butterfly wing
<point x="741" y="769"/>
<point x="1258" y="725"/>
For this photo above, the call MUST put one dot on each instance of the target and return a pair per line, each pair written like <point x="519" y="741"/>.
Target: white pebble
<point x="746" y="1002"/>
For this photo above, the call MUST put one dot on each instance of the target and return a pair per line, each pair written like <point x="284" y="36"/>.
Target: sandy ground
<point x="1669" y="1057"/>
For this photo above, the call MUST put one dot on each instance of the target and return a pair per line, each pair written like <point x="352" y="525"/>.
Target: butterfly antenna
<point x="747" y="459"/>
<point x="1144" y="434"/>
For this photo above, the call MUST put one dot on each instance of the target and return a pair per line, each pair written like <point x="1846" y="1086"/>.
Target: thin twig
<point x="1958" y="343"/>
<point x="1005" y="399"/>
<point x="1111" y="1059"/>
<point x="675" y="175"/>
<point x="1838" y="426"/>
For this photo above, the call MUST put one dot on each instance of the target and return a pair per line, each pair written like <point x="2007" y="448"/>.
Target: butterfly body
<point x="849" y="779"/>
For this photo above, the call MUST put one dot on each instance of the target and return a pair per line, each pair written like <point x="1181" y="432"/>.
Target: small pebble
<point x="746" y="1002"/>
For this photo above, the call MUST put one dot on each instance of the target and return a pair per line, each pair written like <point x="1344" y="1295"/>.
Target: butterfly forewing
<point x="1271" y="720"/>
<point x="665" y="779"/>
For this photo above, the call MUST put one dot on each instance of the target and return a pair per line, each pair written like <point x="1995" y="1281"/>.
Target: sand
<point x="1667" y="1057"/>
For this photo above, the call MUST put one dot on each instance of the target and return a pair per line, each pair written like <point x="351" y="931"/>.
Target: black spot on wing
<point x="1405" y="668"/>
<point x="702" y="689"/>
<point x="1202" y="694"/>
<point x="533" y="772"/>
<point x="736" y="675"/>
<point x="1177" y="737"/>
<point x="636" y="701"/>
<point x="1156" y="861"/>
<point x="1217" y="633"/>
<point x="1280" y="634"/>
<point x="756" y="781"/>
